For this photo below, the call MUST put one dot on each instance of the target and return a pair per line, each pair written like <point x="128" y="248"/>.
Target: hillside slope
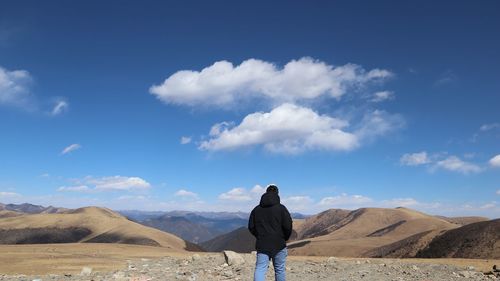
<point x="361" y="232"/>
<point x="476" y="240"/>
<point x="239" y="240"/>
<point x="90" y="224"/>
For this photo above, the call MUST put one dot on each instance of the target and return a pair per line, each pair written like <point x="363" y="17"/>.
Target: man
<point x="271" y="224"/>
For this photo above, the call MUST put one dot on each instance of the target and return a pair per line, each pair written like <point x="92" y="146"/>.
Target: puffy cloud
<point x="185" y="193"/>
<point x="288" y="128"/>
<point x="71" y="148"/>
<point x="382" y="96"/>
<point x="60" y="106"/>
<point x="223" y="84"/>
<point x="118" y="183"/>
<point x="236" y="194"/>
<point x="77" y="188"/>
<point x="495" y="161"/>
<point x="292" y="129"/>
<point x="258" y="190"/>
<point x="344" y="200"/>
<point x="14" y="87"/>
<point x="415" y="159"/>
<point x="400" y="202"/>
<point x="185" y="140"/>
<point x="455" y="164"/>
<point x="298" y="203"/>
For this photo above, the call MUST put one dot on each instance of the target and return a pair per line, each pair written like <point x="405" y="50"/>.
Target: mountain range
<point x="365" y="232"/>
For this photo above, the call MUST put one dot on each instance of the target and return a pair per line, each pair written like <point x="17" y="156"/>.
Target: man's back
<point x="271" y="224"/>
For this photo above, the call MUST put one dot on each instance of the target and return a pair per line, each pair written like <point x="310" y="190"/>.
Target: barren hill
<point x="361" y="232"/>
<point x="90" y="224"/>
<point x="476" y="240"/>
<point x="239" y="240"/>
<point x="463" y="220"/>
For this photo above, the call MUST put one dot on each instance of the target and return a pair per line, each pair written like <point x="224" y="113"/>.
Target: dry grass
<point x="70" y="258"/>
<point x="355" y="238"/>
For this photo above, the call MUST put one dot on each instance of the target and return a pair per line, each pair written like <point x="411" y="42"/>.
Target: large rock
<point x="233" y="258"/>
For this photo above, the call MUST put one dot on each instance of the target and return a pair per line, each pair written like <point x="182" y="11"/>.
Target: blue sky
<point x="200" y="104"/>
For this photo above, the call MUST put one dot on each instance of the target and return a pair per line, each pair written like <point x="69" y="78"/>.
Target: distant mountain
<point x="195" y="227"/>
<point x="475" y="240"/>
<point x="31" y="209"/>
<point x="182" y="227"/>
<point x="85" y="225"/>
<point x="239" y="240"/>
<point x="463" y="220"/>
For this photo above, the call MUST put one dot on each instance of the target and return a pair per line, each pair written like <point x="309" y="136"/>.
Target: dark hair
<point x="272" y="188"/>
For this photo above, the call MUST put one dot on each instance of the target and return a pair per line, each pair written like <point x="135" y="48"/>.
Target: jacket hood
<point x="269" y="199"/>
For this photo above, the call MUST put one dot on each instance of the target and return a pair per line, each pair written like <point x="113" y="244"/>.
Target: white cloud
<point x="185" y="140"/>
<point x="415" y="159"/>
<point x="455" y="164"/>
<point x="382" y="96"/>
<point x="498" y="192"/>
<point x="118" y="183"/>
<point x="186" y="193"/>
<point x="495" y="161"/>
<point x="292" y="129"/>
<point x="488" y="127"/>
<point x="71" y="148"/>
<point x="77" y="188"/>
<point x="378" y="123"/>
<point x="345" y="201"/>
<point x="6" y="194"/>
<point x="298" y="203"/>
<point x="60" y="106"/>
<point x="223" y="84"/>
<point x="400" y="202"/>
<point x="288" y="128"/>
<point x="14" y="88"/>
<point x="236" y="194"/>
<point x="258" y="190"/>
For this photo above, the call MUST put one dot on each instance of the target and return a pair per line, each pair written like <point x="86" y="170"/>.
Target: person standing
<point x="271" y="224"/>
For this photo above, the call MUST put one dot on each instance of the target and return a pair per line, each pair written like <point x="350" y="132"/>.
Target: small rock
<point x="414" y="267"/>
<point x="233" y="258"/>
<point x="86" y="271"/>
<point x="195" y="257"/>
<point x="470" y="268"/>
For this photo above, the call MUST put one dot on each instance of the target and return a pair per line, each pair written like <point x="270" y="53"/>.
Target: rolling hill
<point x="85" y="225"/>
<point x="475" y="240"/>
<point x="365" y="232"/>
<point x="239" y="240"/>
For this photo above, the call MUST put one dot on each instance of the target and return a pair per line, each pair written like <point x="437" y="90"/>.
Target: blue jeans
<point x="262" y="264"/>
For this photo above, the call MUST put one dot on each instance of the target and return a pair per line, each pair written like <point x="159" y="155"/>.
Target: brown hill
<point x="476" y="240"/>
<point x="361" y="232"/>
<point x="85" y="225"/>
<point x="7" y="214"/>
<point x="463" y="220"/>
<point x="239" y="240"/>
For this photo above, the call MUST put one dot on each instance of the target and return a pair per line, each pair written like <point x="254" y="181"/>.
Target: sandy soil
<point x="70" y="258"/>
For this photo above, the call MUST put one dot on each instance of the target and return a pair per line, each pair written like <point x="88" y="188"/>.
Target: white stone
<point x="86" y="271"/>
<point x="233" y="258"/>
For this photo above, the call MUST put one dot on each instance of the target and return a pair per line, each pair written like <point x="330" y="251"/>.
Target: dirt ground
<point x="70" y="258"/>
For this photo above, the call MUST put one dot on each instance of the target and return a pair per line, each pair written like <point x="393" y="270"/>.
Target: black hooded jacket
<point x="271" y="224"/>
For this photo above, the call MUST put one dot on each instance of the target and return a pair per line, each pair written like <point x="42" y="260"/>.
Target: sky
<point x="199" y="105"/>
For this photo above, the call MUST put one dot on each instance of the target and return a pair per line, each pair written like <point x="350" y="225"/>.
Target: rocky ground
<point x="232" y="266"/>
